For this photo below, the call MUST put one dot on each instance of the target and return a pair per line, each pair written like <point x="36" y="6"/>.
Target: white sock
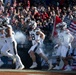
<point x="0" y="60"/>
<point x="49" y="61"/>
<point x="18" y="60"/>
<point x="34" y="63"/>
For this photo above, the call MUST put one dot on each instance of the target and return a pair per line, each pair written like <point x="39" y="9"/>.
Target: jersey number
<point x="33" y="36"/>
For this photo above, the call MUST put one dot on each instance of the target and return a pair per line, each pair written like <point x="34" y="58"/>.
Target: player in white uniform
<point x="2" y="41"/>
<point x="64" y="42"/>
<point x="10" y="48"/>
<point x="37" y="37"/>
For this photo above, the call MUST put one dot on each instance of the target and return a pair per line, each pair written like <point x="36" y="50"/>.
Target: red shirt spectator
<point x="44" y="16"/>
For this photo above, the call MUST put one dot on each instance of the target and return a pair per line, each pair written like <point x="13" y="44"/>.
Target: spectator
<point x="1" y="6"/>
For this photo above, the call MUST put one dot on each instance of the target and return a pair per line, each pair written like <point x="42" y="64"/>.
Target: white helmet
<point x="57" y="26"/>
<point x="33" y="24"/>
<point x="63" y="24"/>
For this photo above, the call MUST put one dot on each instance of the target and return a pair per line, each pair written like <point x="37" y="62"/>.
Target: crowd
<point x="44" y="16"/>
<point x="19" y="16"/>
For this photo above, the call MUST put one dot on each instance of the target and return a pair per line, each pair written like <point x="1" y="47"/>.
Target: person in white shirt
<point x="2" y="42"/>
<point x="9" y="49"/>
<point x="37" y="37"/>
<point x="64" y="42"/>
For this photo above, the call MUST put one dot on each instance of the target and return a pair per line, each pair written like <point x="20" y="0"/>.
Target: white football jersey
<point x="64" y="38"/>
<point x="34" y="36"/>
<point x="12" y="38"/>
<point x="2" y="38"/>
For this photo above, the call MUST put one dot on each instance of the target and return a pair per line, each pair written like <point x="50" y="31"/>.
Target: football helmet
<point x="33" y="24"/>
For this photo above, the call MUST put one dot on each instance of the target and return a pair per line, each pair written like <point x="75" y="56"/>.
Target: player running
<point x="10" y="47"/>
<point x="37" y="37"/>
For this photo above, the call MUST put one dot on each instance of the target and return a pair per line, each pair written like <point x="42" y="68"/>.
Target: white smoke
<point x="20" y="37"/>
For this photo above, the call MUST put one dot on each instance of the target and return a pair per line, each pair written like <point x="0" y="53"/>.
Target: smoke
<point x="20" y="37"/>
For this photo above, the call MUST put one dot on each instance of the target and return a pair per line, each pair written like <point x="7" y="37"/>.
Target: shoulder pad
<point x="38" y="29"/>
<point x="67" y="31"/>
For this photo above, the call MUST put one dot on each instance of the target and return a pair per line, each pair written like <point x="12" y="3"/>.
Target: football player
<point x="9" y="49"/>
<point x="64" y="42"/>
<point x="37" y="37"/>
<point x="2" y="41"/>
